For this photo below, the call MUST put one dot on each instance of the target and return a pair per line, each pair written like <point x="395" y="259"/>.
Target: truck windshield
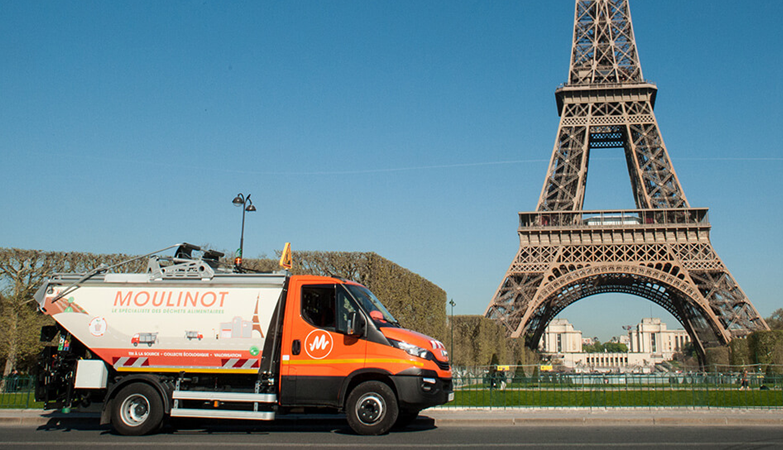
<point x="371" y="304"/>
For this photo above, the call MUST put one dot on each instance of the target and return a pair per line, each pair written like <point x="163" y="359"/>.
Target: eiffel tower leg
<point x="511" y="300"/>
<point x="655" y="183"/>
<point x="687" y="319"/>
<point x="564" y="188"/>
<point x="736" y="314"/>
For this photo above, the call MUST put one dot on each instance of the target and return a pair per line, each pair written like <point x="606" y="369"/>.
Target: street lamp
<point x="247" y="206"/>
<point x="452" y="330"/>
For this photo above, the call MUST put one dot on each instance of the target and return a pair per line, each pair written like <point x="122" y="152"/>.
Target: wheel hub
<point x="135" y="410"/>
<point x="370" y="409"/>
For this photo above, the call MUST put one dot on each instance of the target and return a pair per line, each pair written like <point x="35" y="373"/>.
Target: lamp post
<point x="247" y="206"/>
<point x="452" y="331"/>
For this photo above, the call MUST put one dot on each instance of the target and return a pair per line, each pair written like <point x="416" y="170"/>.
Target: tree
<point x="595" y="347"/>
<point x="615" y="347"/>
<point x="775" y="321"/>
<point x="21" y="272"/>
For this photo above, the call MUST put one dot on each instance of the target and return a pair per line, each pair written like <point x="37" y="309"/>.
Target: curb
<point x="540" y="418"/>
<point x="39" y="418"/>
<point x="460" y="418"/>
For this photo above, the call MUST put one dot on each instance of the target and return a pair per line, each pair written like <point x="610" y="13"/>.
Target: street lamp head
<point x="247" y="205"/>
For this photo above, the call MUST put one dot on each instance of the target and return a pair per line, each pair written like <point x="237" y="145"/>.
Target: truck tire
<point x="137" y="410"/>
<point x="371" y="408"/>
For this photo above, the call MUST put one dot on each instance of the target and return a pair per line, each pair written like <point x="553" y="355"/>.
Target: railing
<point x="18" y="392"/>
<point x="616" y="218"/>
<point x="606" y="85"/>
<point x="560" y="390"/>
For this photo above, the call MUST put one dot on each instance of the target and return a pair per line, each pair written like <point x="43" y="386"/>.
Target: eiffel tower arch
<point x="661" y="250"/>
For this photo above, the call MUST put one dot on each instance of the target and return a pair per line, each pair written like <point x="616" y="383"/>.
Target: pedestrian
<point x="13" y="380"/>
<point x="744" y="381"/>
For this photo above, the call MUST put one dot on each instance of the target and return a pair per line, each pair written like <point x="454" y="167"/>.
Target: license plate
<point x="451" y="396"/>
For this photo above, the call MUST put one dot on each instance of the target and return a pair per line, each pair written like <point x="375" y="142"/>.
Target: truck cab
<point x="339" y="336"/>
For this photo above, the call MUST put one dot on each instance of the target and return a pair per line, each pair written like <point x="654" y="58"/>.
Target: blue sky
<point x="416" y="130"/>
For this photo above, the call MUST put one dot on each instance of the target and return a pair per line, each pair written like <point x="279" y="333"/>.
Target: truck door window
<point x="345" y="306"/>
<point x="318" y="305"/>
<point x="327" y="306"/>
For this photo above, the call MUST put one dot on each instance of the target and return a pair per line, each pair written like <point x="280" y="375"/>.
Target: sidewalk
<point x="442" y="417"/>
<point x="605" y="417"/>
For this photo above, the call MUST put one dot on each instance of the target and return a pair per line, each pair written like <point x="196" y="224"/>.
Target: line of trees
<point x="609" y="347"/>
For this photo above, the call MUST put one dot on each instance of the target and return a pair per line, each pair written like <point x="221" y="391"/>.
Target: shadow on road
<point x="286" y="424"/>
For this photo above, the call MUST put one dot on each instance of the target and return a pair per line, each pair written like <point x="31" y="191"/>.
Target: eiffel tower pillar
<point x="660" y="251"/>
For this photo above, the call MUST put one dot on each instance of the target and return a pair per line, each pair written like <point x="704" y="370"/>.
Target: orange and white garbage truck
<point x="189" y="338"/>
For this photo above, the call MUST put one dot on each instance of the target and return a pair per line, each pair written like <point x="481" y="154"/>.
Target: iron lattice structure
<point x="660" y="251"/>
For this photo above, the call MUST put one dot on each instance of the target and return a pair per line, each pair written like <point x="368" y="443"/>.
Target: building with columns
<point x="649" y="343"/>
<point x="560" y="337"/>
<point x="652" y="336"/>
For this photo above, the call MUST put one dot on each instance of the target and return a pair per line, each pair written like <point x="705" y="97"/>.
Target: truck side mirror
<point x="356" y="324"/>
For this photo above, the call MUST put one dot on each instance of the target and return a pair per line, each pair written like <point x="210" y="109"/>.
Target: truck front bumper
<point x="422" y="391"/>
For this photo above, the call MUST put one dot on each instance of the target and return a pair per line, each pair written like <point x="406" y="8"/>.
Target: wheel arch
<point x="359" y="377"/>
<point x="153" y="380"/>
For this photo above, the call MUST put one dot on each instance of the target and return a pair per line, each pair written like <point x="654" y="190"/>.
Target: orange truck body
<point x="266" y="345"/>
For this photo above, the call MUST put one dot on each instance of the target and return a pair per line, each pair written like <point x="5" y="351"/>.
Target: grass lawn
<point x="647" y="397"/>
<point x="17" y="400"/>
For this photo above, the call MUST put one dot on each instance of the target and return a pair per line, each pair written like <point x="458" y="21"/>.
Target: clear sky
<point x="413" y="129"/>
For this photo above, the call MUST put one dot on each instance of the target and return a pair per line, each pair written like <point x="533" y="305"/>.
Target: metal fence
<point x="17" y="392"/>
<point x="488" y="388"/>
<point x="506" y="389"/>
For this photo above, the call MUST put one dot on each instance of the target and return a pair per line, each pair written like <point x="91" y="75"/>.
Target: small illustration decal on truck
<point x="194" y="335"/>
<point x="144" y="338"/>
<point x="237" y="328"/>
<point x="97" y="326"/>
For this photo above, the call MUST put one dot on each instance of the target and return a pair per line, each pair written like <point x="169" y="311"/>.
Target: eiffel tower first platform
<point x="660" y="251"/>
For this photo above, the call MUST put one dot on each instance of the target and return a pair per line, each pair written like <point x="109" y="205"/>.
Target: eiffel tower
<point x="661" y="250"/>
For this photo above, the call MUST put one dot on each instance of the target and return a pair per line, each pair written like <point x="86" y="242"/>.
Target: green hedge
<point x="740" y="353"/>
<point x="766" y="347"/>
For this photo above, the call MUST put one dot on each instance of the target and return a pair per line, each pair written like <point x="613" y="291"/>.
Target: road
<point x="230" y="435"/>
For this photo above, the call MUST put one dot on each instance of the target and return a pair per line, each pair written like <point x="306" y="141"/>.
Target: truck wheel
<point x="371" y="408"/>
<point x="136" y="410"/>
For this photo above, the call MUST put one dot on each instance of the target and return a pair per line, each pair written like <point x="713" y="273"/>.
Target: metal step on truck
<point x="265" y="345"/>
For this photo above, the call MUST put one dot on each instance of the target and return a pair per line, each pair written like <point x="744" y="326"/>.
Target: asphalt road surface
<point x="421" y="436"/>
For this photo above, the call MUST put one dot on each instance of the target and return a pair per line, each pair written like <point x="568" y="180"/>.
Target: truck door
<point x="321" y="350"/>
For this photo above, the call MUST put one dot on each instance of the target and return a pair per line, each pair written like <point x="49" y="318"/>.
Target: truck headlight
<point x="410" y="348"/>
